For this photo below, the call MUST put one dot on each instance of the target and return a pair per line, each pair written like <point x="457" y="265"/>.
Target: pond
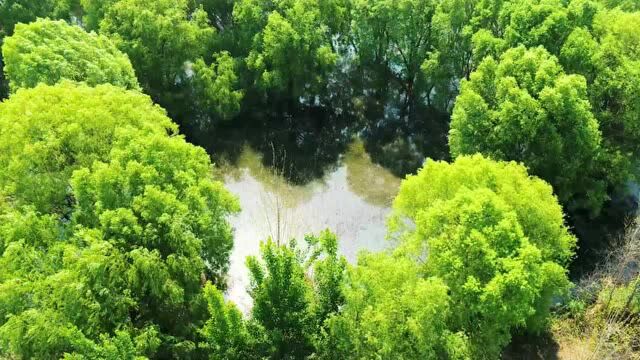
<point x="352" y="199"/>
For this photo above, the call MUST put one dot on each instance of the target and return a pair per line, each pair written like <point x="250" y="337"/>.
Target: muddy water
<point x="353" y="201"/>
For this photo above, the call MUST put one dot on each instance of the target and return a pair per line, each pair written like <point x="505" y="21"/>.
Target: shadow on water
<point x="304" y="146"/>
<point x="401" y="143"/>
<point x="596" y="235"/>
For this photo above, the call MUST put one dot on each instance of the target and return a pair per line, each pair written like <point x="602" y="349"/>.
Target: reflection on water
<point x="353" y="201"/>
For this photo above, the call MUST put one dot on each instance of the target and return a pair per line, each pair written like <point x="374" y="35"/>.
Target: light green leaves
<point x="493" y="236"/>
<point x="159" y="37"/>
<point x="48" y="51"/>
<point x="113" y="223"/>
<point x="293" y="53"/>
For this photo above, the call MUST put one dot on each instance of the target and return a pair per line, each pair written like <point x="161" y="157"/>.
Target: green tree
<point x="494" y="236"/>
<point x="282" y="301"/>
<point x="49" y="131"/>
<point x="329" y="271"/>
<point x="119" y="272"/>
<point x="13" y="12"/>
<point x="607" y="55"/>
<point x="294" y="291"/>
<point x="94" y="11"/>
<point x="289" y="47"/>
<point x="160" y="37"/>
<point x="524" y="108"/>
<point x="391" y="311"/>
<point x="545" y="23"/>
<point x="467" y="31"/>
<point x="47" y="51"/>
<point x="226" y="334"/>
<point x="535" y="23"/>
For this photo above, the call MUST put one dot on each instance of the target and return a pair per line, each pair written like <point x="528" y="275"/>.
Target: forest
<point x="513" y="124"/>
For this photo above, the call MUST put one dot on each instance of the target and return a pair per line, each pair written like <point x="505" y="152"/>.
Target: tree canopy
<point x="288" y="46"/>
<point x="47" y="51"/>
<point x="116" y="235"/>
<point x="49" y="131"/>
<point x="496" y="239"/>
<point x="159" y="37"/>
<point x="524" y="107"/>
<point x="109" y="231"/>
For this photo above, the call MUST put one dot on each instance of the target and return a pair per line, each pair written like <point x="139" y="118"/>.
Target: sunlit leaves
<point x="494" y="236"/>
<point x="48" y="51"/>
<point x="159" y="37"/>
<point x="524" y="108"/>
<point x="115" y="235"/>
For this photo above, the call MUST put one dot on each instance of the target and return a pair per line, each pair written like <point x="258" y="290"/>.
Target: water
<point x="352" y="200"/>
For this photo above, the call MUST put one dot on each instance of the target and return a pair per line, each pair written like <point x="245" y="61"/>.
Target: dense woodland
<point x="114" y="232"/>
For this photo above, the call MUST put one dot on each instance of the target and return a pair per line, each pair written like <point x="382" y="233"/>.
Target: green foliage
<point x="524" y="108"/>
<point x="535" y="23"/>
<point x="13" y="12"/>
<point x="397" y="38"/>
<point x="621" y="300"/>
<point x="226" y="336"/>
<point x="494" y="236"/>
<point x="290" y="48"/>
<point x="290" y="308"/>
<point x="103" y="255"/>
<point x="329" y="270"/>
<point x="282" y="301"/>
<point x="48" y="51"/>
<point x="608" y="57"/>
<point x="94" y="11"/>
<point x="159" y="37"/>
<point x="217" y="85"/>
<point x="467" y="30"/>
<point x="390" y="311"/>
<point x="48" y="132"/>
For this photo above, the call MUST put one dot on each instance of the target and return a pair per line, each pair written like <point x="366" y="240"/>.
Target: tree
<point x="159" y="37"/>
<point x="47" y="51"/>
<point x="289" y="47"/>
<point x="226" y="334"/>
<point x="294" y="291"/>
<point x="282" y="301"/>
<point x="13" y="12"/>
<point x="120" y="270"/>
<point x="390" y="311"/>
<point x="329" y="271"/>
<point x="94" y="11"/>
<point x="494" y="236"/>
<point x="535" y="23"/>
<point x="607" y="56"/>
<point x="546" y="23"/>
<point x="394" y="39"/>
<point x="524" y="108"/>
<point x="49" y="131"/>
<point x="463" y="27"/>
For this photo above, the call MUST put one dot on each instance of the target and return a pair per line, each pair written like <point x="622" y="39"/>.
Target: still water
<point x="352" y="200"/>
